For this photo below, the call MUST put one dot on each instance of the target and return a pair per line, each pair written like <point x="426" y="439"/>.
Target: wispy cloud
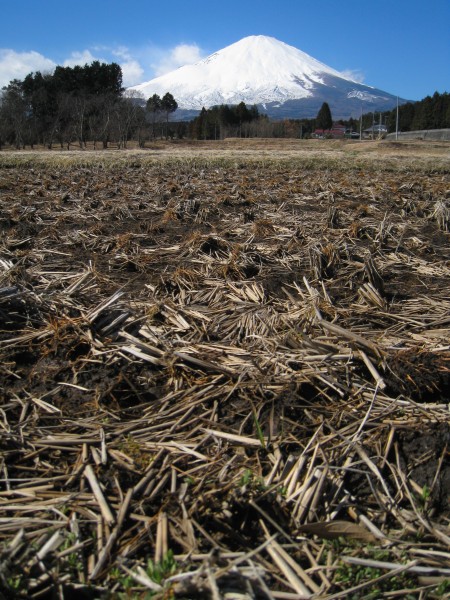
<point x="132" y="70"/>
<point x="173" y="58"/>
<point x="82" y="58"/>
<point x="354" y="74"/>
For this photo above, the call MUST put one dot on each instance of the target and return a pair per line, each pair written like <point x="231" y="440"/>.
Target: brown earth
<point x="234" y="340"/>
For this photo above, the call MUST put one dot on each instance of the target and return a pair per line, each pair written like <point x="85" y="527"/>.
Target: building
<point x="375" y="132"/>
<point x="337" y="131"/>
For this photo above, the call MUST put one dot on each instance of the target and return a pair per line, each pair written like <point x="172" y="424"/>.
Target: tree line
<point x="223" y="121"/>
<point x="76" y="104"/>
<point x="219" y="122"/>
<point x="433" y="112"/>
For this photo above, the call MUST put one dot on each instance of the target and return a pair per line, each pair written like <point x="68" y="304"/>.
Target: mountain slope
<point x="282" y="80"/>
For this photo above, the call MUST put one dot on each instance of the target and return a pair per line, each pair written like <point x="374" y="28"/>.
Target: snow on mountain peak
<point x="255" y="70"/>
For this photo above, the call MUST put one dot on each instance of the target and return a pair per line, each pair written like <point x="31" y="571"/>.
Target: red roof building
<point x="336" y="131"/>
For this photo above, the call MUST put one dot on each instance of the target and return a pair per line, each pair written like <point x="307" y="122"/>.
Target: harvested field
<point x="225" y="372"/>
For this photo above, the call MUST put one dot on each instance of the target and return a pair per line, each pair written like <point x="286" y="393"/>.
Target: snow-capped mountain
<point x="280" y="79"/>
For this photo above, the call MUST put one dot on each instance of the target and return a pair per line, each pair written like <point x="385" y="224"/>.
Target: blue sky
<point x="400" y="46"/>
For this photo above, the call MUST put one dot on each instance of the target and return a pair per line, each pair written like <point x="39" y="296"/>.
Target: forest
<point x="77" y="104"/>
<point x="433" y="112"/>
<point x="74" y="105"/>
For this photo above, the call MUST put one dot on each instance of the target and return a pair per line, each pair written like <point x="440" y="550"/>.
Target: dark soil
<point x="154" y="302"/>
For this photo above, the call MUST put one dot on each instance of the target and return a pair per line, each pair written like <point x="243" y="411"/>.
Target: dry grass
<point x="225" y="375"/>
<point x="422" y="153"/>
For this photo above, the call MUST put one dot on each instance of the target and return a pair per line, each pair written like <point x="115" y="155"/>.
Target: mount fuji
<point x="281" y="80"/>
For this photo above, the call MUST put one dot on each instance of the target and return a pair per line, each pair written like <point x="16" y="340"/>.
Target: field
<point x="225" y="371"/>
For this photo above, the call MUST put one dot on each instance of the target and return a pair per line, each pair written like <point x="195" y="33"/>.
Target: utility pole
<point x="360" y="125"/>
<point x="396" y="122"/>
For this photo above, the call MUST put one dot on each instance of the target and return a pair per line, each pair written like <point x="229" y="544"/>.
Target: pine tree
<point x="324" y="120"/>
<point x="168" y="106"/>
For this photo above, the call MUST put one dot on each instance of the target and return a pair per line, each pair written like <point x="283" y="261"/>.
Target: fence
<point x="424" y="134"/>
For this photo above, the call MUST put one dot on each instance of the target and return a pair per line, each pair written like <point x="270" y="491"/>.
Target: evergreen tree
<point x="153" y="106"/>
<point x="225" y="116"/>
<point x="203" y="124"/>
<point x="405" y="117"/>
<point x="324" y="120"/>
<point x="168" y="106"/>
<point x="446" y="111"/>
<point x="221" y="121"/>
<point x="429" y="113"/>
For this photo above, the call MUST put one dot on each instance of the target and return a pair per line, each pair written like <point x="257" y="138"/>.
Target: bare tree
<point x="128" y="112"/>
<point x="14" y="114"/>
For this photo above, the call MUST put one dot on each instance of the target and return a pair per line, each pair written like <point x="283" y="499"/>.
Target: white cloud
<point x="183" y="54"/>
<point x="17" y="65"/>
<point x="137" y="65"/>
<point x="82" y="58"/>
<point x="122" y="52"/>
<point x="354" y="74"/>
<point x="132" y="70"/>
<point x="132" y="73"/>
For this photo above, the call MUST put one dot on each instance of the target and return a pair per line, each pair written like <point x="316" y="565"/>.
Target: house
<point x="375" y="132"/>
<point x="337" y="131"/>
